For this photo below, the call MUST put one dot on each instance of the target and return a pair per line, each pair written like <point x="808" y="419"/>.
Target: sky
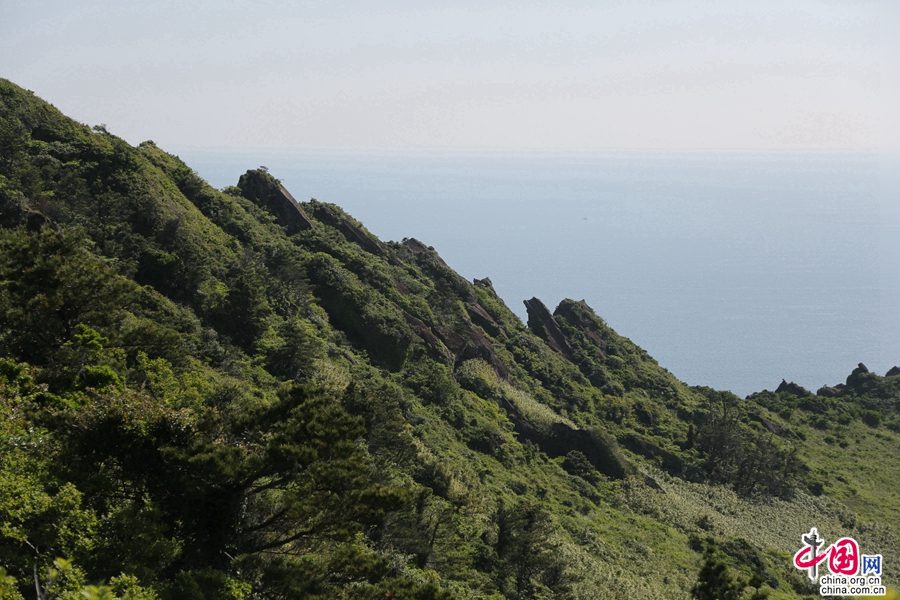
<point x="412" y="76"/>
<point x="335" y="95"/>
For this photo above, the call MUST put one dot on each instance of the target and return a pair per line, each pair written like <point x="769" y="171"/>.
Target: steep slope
<point x="231" y="394"/>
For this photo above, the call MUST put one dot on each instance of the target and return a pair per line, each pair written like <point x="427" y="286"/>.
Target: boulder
<point x="893" y="372"/>
<point x="400" y="287"/>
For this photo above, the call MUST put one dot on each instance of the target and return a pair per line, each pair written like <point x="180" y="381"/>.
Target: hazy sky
<point x="636" y="74"/>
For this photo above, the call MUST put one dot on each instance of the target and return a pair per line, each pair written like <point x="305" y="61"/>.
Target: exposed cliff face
<point x="582" y="317"/>
<point x="264" y="190"/>
<point x="471" y="343"/>
<point x="541" y="322"/>
<point x="350" y="231"/>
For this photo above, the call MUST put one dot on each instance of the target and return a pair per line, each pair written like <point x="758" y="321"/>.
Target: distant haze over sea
<point x="734" y="270"/>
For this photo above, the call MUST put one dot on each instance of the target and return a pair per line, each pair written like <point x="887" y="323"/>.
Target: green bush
<point x="871" y="418"/>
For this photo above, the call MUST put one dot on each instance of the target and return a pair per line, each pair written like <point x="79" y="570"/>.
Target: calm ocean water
<point x="733" y="270"/>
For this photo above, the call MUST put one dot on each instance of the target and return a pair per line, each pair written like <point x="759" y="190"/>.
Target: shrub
<point x="576" y="463"/>
<point x="871" y="418"/>
<point x="477" y="376"/>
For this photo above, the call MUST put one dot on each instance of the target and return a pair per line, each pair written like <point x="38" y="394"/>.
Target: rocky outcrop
<point x="465" y="339"/>
<point x="349" y="230"/>
<point x="265" y="191"/>
<point x="600" y="449"/>
<point x="471" y="343"/>
<point x="433" y="345"/>
<point x="793" y="389"/>
<point x="487" y="284"/>
<point x="414" y="246"/>
<point x="893" y="372"/>
<point x="582" y="317"/>
<point x="481" y="318"/>
<point x="861" y="379"/>
<point x="828" y="392"/>
<point x="541" y="323"/>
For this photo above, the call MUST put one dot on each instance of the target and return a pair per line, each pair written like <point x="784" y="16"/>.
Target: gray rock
<point x="541" y="322"/>
<point x="264" y="190"/>
<point x="793" y="389"/>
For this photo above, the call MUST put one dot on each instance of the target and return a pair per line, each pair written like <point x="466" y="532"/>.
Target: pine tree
<point x="715" y="581"/>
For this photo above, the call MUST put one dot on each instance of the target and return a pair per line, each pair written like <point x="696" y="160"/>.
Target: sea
<point x="734" y="270"/>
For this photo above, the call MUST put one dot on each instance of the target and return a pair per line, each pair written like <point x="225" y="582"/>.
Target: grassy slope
<point x="460" y="410"/>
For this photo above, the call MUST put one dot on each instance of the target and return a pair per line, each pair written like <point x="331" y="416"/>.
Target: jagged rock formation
<point x="541" y="322"/>
<point x="579" y="315"/>
<point x="481" y="317"/>
<point x="486" y="283"/>
<point x="471" y="343"/>
<point x="416" y="247"/>
<point x="267" y="192"/>
<point x="354" y="234"/>
<point x="861" y="379"/>
<point x="792" y="388"/>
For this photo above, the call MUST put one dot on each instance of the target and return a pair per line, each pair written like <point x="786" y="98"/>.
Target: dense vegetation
<point x="222" y="394"/>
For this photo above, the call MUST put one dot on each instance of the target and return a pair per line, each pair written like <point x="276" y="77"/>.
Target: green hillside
<point x="226" y="394"/>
